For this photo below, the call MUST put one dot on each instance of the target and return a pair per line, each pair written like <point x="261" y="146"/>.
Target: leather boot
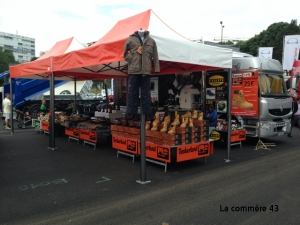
<point x="187" y="114"/>
<point x="165" y="127"/>
<point x="184" y="122"/>
<point x="147" y="126"/>
<point x="167" y="119"/>
<point x="176" y="121"/>
<point x="239" y="100"/>
<point x="155" y="122"/>
<point x="172" y="130"/>
<point x="195" y="114"/>
<point x="200" y="116"/>
<point x="191" y="124"/>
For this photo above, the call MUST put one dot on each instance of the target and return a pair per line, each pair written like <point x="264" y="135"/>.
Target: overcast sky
<point x="87" y="21"/>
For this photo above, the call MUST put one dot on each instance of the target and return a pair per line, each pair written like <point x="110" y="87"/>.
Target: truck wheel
<point x="34" y="111"/>
<point x="79" y="110"/>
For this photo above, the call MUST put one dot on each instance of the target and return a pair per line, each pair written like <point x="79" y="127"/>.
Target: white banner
<point x="265" y="52"/>
<point x="291" y="51"/>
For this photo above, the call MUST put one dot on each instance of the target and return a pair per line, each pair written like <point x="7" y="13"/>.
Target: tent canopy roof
<point x="104" y="59"/>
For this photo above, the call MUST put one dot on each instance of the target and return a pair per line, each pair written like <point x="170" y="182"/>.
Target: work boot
<point x="200" y="116"/>
<point x="191" y="124"/>
<point x="195" y="114"/>
<point x="176" y="121"/>
<point x="187" y="114"/>
<point x="165" y="127"/>
<point x="239" y="100"/>
<point x="148" y="126"/>
<point x="172" y="130"/>
<point x="184" y="122"/>
<point x="167" y="119"/>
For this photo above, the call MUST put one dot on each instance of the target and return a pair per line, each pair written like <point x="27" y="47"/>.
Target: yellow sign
<point x="215" y="135"/>
<point x="216" y="80"/>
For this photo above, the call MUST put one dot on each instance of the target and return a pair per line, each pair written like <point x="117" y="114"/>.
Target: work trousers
<point x="295" y="120"/>
<point x="135" y="82"/>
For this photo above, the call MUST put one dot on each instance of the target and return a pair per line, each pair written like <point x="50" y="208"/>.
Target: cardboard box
<point x="172" y="142"/>
<point x="198" y="128"/>
<point x="182" y="130"/>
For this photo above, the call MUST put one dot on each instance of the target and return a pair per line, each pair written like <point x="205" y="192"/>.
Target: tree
<point x="6" y="58"/>
<point x="33" y="58"/>
<point x="272" y="37"/>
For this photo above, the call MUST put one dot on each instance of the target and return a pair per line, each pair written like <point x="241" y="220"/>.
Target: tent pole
<point x="52" y="114"/>
<point x="142" y="147"/>
<point x="75" y="91"/>
<point x="11" y="106"/>
<point x="229" y="116"/>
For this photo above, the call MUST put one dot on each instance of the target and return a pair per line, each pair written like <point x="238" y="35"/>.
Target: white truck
<point x="274" y="103"/>
<point x="274" y="106"/>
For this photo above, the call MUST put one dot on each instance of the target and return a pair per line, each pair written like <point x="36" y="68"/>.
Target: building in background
<point x="23" y="48"/>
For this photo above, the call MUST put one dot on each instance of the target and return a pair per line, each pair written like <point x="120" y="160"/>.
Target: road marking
<point x="104" y="179"/>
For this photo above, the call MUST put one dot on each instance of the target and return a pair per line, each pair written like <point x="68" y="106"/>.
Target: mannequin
<point x="141" y="33"/>
<point x="140" y="51"/>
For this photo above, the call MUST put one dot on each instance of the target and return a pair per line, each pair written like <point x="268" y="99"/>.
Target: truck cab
<point x="274" y="102"/>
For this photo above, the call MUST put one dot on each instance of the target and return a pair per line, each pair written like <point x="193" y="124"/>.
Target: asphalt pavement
<point x="76" y="184"/>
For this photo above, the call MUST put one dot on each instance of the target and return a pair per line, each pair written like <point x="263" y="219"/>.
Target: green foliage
<point x="6" y="58"/>
<point x="33" y="58"/>
<point x="272" y="37"/>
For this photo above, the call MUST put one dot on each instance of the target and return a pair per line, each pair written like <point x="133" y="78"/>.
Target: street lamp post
<point x="221" y="31"/>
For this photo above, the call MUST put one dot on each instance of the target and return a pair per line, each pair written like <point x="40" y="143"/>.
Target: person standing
<point x="43" y="106"/>
<point x="212" y="116"/>
<point x="295" y="119"/>
<point x="140" y="51"/>
<point x="7" y="110"/>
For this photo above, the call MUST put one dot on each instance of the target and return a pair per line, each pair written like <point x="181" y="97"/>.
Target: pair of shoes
<point x="7" y="128"/>
<point x="289" y="135"/>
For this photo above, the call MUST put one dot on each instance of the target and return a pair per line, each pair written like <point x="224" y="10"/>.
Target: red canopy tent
<point x="41" y="66"/>
<point x="105" y="58"/>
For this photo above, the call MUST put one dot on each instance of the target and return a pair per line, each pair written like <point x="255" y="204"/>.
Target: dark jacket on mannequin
<point x="141" y="63"/>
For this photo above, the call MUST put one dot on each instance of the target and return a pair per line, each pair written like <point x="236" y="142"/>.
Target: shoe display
<point x="239" y="100"/>
<point x="187" y="114"/>
<point x="172" y="130"/>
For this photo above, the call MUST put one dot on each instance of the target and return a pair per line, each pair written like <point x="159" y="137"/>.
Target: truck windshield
<point x="272" y="85"/>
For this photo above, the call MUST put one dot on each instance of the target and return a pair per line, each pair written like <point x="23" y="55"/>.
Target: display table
<point x="237" y="136"/>
<point x="88" y="136"/>
<point x="162" y="154"/>
<point x="45" y="126"/>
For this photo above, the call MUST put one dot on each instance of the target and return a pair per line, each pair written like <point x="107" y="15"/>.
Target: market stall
<point x="104" y="59"/>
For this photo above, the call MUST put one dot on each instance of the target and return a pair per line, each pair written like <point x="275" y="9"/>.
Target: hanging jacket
<point x="141" y="63"/>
